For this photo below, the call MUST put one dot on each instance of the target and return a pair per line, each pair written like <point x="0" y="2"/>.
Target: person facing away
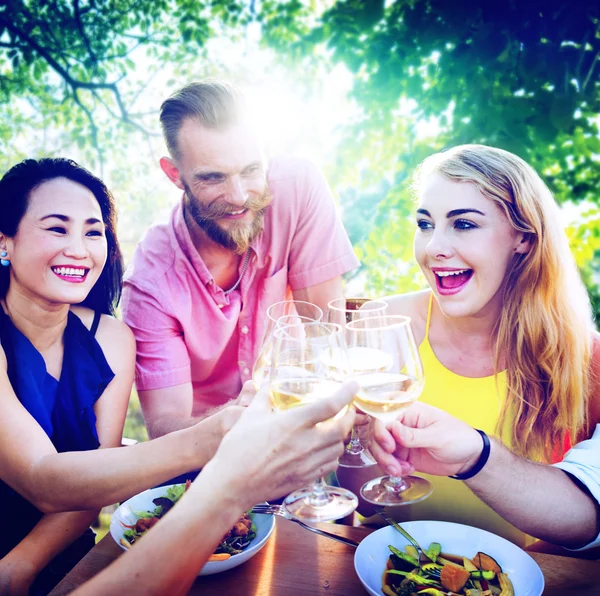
<point x="246" y="232"/>
<point x="505" y="330"/>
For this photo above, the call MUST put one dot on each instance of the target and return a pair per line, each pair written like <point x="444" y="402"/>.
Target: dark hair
<point x="214" y="103"/>
<point x="16" y="187"/>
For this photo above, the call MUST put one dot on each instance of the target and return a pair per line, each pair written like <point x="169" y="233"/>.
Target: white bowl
<point x="265" y="524"/>
<point x="373" y="552"/>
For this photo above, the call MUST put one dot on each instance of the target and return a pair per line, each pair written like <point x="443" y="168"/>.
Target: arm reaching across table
<point x="281" y="452"/>
<point x="542" y="500"/>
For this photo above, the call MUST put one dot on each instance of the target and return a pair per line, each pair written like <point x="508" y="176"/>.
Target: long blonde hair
<point x="545" y="328"/>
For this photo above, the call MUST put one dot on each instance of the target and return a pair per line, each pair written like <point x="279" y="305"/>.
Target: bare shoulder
<point x="414" y="305"/>
<point x="114" y="336"/>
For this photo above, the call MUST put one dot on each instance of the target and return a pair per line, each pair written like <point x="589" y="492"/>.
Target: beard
<point x="240" y="235"/>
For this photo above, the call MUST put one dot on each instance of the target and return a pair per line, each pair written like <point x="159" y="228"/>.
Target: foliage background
<point x="376" y="86"/>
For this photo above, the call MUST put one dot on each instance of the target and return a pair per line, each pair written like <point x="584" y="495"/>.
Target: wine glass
<point x="356" y="465"/>
<point x="289" y="312"/>
<point x="303" y="370"/>
<point x="390" y="377"/>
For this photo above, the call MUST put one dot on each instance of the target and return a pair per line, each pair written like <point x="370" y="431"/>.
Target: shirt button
<point x="245" y="330"/>
<point x="220" y="305"/>
<point x="246" y="371"/>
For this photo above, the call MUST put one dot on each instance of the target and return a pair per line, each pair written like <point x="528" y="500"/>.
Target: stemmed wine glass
<point x="343" y="311"/>
<point x="286" y="311"/>
<point x="302" y="371"/>
<point x="390" y="376"/>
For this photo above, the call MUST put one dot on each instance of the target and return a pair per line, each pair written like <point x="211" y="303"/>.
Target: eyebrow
<point x="453" y="213"/>
<point x="66" y="218"/>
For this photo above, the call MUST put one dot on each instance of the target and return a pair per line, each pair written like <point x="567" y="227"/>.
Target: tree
<point x="70" y="63"/>
<point x="524" y="76"/>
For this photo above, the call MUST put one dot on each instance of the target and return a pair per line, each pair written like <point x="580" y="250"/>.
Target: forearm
<point x="80" y="480"/>
<point x="51" y="535"/>
<point x="536" y="498"/>
<point x="198" y="522"/>
<point x="170" y="423"/>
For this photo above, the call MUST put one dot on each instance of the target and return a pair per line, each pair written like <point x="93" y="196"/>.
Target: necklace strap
<point x="244" y="267"/>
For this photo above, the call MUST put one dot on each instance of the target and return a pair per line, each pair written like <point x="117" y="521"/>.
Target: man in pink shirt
<point x="245" y="235"/>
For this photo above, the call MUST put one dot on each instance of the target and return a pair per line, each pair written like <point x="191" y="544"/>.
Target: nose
<point x="439" y="245"/>
<point x="237" y="194"/>
<point x="76" y="248"/>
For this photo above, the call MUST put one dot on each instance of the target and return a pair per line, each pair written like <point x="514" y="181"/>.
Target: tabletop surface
<point x="295" y="561"/>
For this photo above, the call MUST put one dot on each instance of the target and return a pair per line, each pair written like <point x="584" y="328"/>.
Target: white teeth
<point x="69" y="271"/>
<point x="237" y="212"/>
<point x="448" y="273"/>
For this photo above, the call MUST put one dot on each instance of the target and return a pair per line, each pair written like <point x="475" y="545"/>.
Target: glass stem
<point x="354" y="446"/>
<point x="396" y="484"/>
<point x="319" y="497"/>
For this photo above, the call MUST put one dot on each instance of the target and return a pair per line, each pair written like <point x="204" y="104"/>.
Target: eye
<point x="95" y="233"/>
<point x="58" y="230"/>
<point x="250" y="170"/>
<point x="464" y="224"/>
<point x="424" y="225"/>
<point x="212" y="178"/>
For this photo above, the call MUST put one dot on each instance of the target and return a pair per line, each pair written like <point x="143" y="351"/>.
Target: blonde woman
<point x="505" y="330"/>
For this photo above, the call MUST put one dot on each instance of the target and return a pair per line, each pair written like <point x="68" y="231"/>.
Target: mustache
<point x="220" y="209"/>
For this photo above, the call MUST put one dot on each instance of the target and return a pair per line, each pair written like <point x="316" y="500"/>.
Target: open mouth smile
<point x="235" y="214"/>
<point x="451" y="281"/>
<point x="71" y="274"/>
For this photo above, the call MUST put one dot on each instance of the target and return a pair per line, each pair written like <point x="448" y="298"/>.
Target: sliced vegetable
<point x="432" y="592"/>
<point x="454" y="577"/>
<point x="402" y="560"/>
<point x="479" y="574"/>
<point x="435" y="548"/>
<point x="468" y="565"/>
<point x="219" y="557"/>
<point x="418" y="579"/>
<point x="485" y="562"/>
<point x="412" y="551"/>
<point x="506" y="585"/>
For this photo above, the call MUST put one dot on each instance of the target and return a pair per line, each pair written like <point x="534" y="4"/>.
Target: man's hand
<point x="428" y="440"/>
<point x="269" y="454"/>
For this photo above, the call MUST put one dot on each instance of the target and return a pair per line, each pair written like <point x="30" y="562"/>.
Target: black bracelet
<point x="485" y="454"/>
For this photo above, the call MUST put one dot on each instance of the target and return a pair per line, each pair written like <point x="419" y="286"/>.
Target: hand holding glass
<point x="302" y="371"/>
<point x="385" y="361"/>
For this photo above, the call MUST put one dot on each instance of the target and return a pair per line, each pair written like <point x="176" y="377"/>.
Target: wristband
<point x="485" y="454"/>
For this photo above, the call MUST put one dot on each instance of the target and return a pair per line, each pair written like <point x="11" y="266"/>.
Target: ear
<point x="171" y="170"/>
<point x="523" y="243"/>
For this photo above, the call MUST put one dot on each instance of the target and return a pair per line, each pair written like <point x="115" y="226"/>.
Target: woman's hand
<point x="428" y="440"/>
<point x="268" y="454"/>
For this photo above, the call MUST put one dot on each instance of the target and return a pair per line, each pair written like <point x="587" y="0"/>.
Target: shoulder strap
<point x="428" y="316"/>
<point x="95" y="322"/>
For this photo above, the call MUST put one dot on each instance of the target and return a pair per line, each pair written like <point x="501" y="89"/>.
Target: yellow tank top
<point x="477" y="401"/>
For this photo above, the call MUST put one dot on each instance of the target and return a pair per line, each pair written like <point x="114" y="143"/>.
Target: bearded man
<point x="247" y="233"/>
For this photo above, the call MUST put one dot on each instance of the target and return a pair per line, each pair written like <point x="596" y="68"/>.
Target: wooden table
<point x="297" y="562"/>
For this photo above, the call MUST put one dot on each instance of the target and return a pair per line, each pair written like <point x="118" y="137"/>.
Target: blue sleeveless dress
<point x="65" y="411"/>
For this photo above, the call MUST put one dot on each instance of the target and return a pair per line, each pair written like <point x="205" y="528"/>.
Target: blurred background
<point x="366" y="88"/>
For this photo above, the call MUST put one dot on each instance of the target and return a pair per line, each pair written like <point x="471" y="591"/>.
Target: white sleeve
<point x="583" y="462"/>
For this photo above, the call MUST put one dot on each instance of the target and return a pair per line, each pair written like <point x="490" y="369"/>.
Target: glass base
<point x="337" y="504"/>
<point x="382" y="491"/>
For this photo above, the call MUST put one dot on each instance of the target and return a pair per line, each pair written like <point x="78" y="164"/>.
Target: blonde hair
<point x="545" y="328"/>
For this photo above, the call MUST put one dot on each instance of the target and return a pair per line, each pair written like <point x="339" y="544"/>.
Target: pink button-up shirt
<point x="187" y="329"/>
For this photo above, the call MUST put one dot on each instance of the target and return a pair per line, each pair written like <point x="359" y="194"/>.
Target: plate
<point x="265" y="524"/>
<point x="372" y="553"/>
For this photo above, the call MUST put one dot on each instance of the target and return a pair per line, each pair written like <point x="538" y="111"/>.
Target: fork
<point x="380" y="512"/>
<point x="280" y="511"/>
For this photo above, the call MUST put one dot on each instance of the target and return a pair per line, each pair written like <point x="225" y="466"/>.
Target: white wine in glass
<point x="297" y="311"/>
<point x="385" y="391"/>
<point x="301" y="373"/>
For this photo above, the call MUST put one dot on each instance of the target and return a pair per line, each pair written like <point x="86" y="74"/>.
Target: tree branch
<point x="86" y="41"/>
<point x="94" y="129"/>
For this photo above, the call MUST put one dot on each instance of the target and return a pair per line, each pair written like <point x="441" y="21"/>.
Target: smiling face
<point x="60" y="247"/>
<point x="464" y="245"/>
<point x="223" y="175"/>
